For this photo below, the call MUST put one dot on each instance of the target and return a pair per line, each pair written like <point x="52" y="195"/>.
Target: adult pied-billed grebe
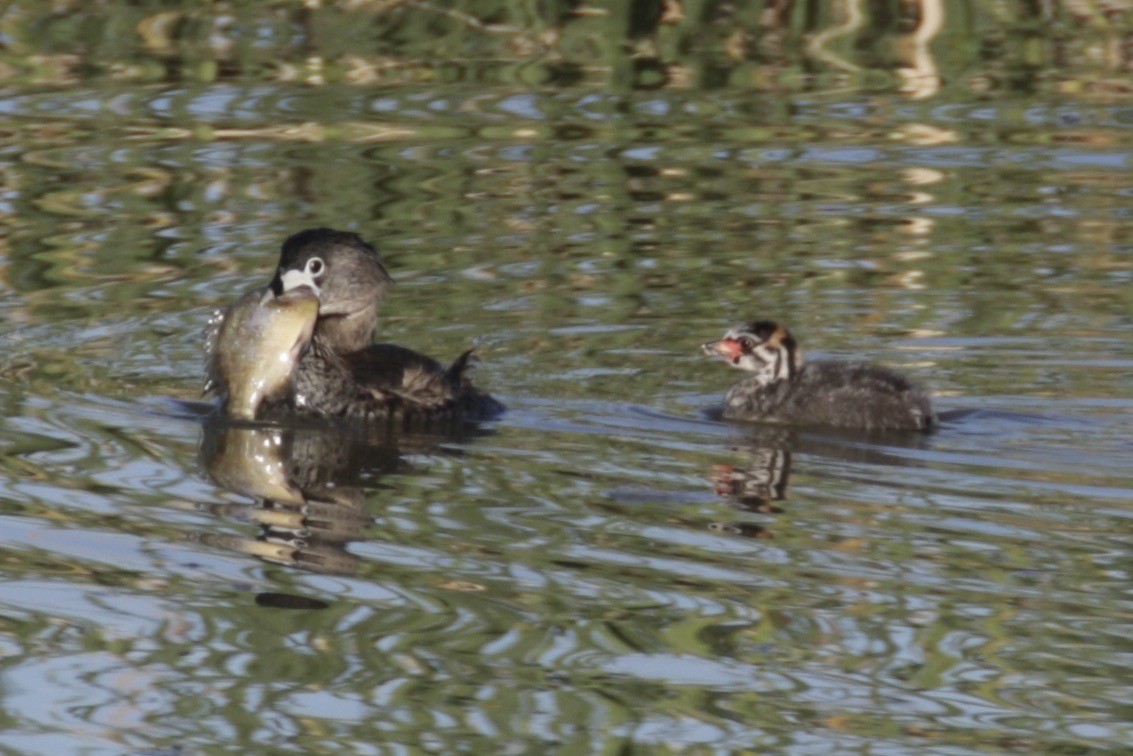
<point x="344" y="374"/>
<point x="784" y="389"/>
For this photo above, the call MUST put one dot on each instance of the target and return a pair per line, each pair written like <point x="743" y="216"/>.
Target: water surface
<point x="585" y="197"/>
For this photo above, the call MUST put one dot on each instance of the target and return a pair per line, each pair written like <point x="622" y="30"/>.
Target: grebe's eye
<point x="749" y="344"/>
<point x="315" y="266"/>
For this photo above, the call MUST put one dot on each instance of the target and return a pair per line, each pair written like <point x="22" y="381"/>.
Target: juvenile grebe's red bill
<point x="729" y="350"/>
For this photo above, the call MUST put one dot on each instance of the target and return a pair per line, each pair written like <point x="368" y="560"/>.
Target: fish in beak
<point x="260" y="341"/>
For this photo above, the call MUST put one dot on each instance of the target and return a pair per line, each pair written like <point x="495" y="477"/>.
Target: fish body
<point x="256" y="345"/>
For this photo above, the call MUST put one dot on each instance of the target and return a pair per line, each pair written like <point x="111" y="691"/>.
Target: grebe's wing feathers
<point x="385" y="370"/>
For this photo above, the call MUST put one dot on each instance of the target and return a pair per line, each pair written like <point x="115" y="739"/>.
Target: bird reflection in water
<point x="759" y="484"/>
<point x="307" y="486"/>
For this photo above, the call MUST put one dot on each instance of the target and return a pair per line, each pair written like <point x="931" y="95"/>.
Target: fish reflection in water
<point x="292" y="476"/>
<point x="307" y="486"/>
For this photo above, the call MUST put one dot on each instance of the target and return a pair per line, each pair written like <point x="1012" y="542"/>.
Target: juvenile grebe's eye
<point x="749" y="344"/>
<point x="315" y="266"/>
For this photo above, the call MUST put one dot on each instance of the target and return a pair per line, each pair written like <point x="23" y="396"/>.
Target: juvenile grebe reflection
<point x="757" y="481"/>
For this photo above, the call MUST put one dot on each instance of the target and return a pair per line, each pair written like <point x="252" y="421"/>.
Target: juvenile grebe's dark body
<point x="343" y="374"/>
<point x="785" y="389"/>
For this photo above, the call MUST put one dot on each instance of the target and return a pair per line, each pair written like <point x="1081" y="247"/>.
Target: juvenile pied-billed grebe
<point x="255" y="345"/>
<point x="784" y="389"/>
<point x="343" y="373"/>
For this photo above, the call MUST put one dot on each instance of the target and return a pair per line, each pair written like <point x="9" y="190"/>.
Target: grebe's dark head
<point x="339" y="266"/>
<point x="762" y="347"/>
<point x="347" y="275"/>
